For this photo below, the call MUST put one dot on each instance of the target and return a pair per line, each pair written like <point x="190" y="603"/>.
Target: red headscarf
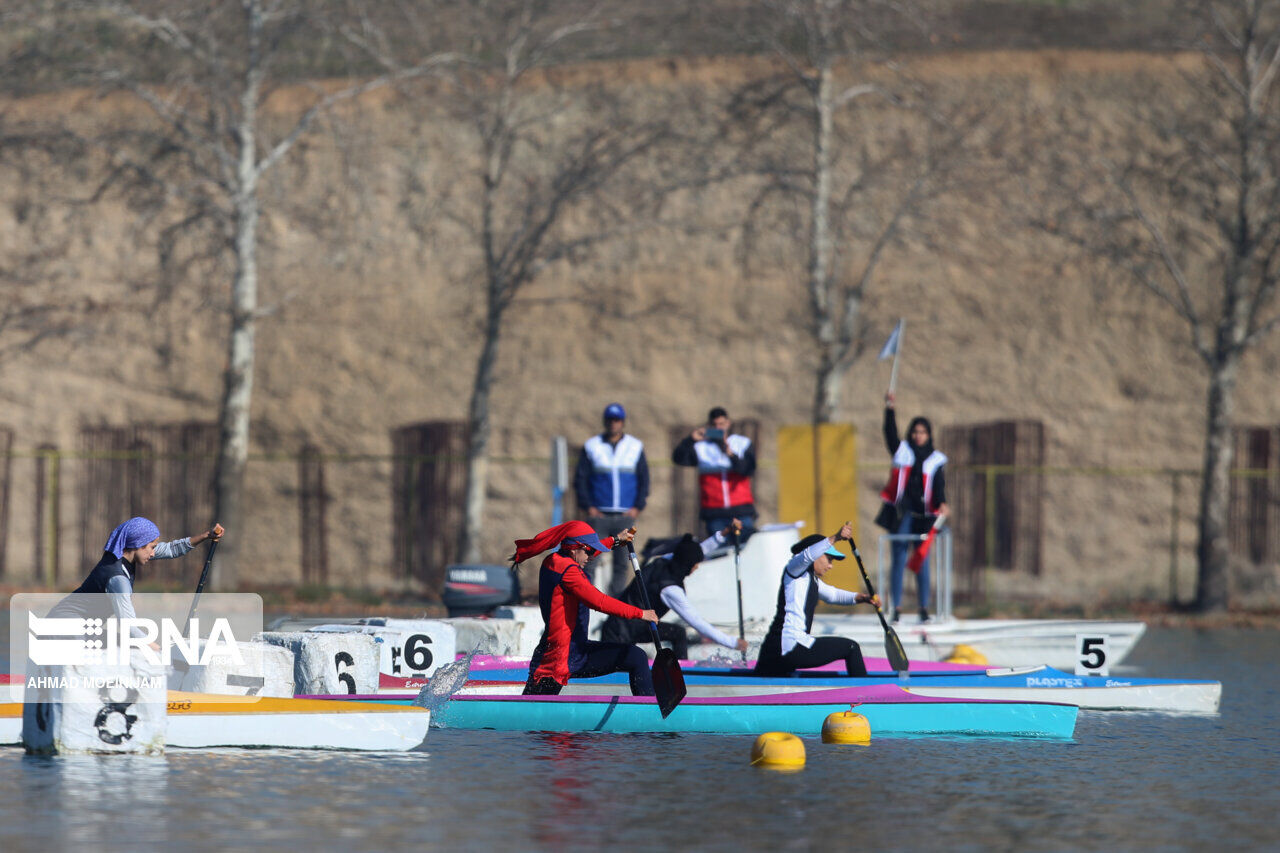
<point x="552" y="537"/>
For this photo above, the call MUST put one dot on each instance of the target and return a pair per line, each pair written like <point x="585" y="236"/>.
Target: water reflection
<point x="1127" y="781"/>
<point x="82" y="802"/>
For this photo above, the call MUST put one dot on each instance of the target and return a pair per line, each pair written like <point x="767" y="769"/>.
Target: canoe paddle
<point x="668" y="680"/>
<point x="892" y="645"/>
<point x="191" y="614"/>
<point x="737" y="573"/>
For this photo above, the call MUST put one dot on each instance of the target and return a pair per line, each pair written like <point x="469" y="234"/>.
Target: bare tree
<point x="544" y="180"/>
<point x="39" y="302"/>
<point x="39" y="299"/>
<point x="807" y="133"/>
<point x="204" y="72"/>
<point x="1190" y="210"/>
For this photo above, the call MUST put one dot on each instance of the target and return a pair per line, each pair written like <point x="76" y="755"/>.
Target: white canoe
<point x="1174" y="698"/>
<point x="1003" y="642"/>
<point x="201" y="720"/>
<point x="1191" y="698"/>
<point x="1023" y="684"/>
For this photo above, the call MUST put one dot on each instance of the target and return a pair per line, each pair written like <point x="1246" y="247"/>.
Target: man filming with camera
<point x="725" y="463"/>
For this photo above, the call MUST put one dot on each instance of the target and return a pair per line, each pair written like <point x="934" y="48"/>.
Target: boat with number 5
<point x="1022" y="684"/>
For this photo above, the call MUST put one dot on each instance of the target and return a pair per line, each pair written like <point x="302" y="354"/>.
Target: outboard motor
<point x="474" y="589"/>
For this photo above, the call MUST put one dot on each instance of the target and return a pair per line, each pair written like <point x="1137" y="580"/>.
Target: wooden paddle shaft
<point x="191" y="614"/>
<point x="644" y="593"/>
<point x="737" y="573"/>
<point x="893" y="645"/>
<point x="204" y="579"/>
<point x="871" y="590"/>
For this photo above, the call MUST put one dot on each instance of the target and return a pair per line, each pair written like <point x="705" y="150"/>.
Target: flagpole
<point x="893" y="372"/>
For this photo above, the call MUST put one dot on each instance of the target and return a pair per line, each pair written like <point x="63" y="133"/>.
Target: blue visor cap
<point x="591" y="540"/>
<point x="833" y="553"/>
<point x="615" y="412"/>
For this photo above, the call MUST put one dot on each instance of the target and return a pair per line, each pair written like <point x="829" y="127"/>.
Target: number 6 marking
<point x="346" y="678"/>
<point x="416" y="653"/>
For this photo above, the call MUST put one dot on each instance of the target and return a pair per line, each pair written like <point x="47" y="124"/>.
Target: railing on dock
<point x="941" y="589"/>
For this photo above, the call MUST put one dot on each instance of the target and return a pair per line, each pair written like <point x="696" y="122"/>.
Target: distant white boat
<point x="1003" y="642"/>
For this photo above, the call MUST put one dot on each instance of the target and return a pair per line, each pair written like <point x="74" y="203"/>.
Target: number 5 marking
<point x="1091" y="655"/>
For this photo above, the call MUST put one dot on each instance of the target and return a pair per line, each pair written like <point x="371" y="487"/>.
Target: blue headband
<point x="134" y="533"/>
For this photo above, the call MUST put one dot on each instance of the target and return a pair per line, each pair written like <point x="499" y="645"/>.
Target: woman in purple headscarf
<point x="130" y="546"/>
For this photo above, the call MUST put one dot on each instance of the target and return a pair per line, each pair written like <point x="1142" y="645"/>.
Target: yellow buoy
<point x="846" y="727"/>
<point x="966" y="654"/>
<point x="778" y="749"/>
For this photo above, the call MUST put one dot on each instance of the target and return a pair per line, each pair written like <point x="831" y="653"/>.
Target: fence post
<point x="1173" y="539"/>
<point x="48" y="464"/>
<point x="990" y="513"/>
<point x="6" y="476"/>
<point x="312" y="521"/>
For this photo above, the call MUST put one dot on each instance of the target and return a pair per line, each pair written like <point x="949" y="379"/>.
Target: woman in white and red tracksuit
<point x="725" y="463"/>
<point x="566" y="597"/>
<point x="914" y="496"/>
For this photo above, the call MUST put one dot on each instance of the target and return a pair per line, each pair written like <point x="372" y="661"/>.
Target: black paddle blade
<point x="894" y="652"/>
<point x="668" y="681"/>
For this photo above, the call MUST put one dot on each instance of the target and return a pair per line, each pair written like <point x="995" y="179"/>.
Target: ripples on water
<point x="1127" y="781"/>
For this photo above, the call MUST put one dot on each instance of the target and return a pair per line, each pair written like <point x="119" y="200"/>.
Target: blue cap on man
<point x="615" y="412"/>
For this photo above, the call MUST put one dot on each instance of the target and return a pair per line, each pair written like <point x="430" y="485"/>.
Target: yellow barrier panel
<point x="817" y="484"/>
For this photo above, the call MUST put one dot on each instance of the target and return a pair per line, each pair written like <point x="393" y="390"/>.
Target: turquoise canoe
<point x="890" y="711"/>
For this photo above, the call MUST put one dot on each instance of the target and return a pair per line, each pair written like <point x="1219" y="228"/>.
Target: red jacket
<point x="565" y="596"/>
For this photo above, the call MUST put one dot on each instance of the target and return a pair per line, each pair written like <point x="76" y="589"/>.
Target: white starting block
<point x="95" y="709"/>
<point x="512" y="631"/>
<point x="329" y="663"/>
<point x="410" y="648"/>
<point x="266" y="670"/>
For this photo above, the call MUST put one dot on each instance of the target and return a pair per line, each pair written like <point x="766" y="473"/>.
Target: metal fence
<point x="388" y="522"/>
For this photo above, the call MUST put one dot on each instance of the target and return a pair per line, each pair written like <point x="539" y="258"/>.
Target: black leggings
<point x="823" y="651"/>
<point x="600" y="659"/>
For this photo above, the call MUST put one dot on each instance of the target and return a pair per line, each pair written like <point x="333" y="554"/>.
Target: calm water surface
<point x="1127" y="781"/>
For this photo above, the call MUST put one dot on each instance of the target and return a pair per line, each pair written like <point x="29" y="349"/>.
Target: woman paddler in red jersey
<point x="565" y="595"/>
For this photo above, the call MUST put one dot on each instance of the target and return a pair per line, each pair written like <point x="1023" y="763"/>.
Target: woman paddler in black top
<point x="664" y="577"/>
<point x="789" y="646"/>
<point x="130" y="546"/>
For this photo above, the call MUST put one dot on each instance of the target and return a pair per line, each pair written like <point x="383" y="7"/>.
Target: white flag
<point x="891" y="346"/>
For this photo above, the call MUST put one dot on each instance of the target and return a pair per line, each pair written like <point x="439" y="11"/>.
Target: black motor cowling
<point x="474" y="589"/>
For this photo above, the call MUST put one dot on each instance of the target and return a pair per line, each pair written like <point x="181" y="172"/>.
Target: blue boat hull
<point x="890" y="712"/>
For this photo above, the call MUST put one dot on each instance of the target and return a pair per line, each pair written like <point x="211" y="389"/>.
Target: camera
<point x="713" y="434"/>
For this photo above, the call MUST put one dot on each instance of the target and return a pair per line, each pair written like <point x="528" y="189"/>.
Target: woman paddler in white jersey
<point x="789" y="646"/>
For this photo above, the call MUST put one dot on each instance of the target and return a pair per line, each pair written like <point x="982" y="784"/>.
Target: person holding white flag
<point x="916" y="494"/>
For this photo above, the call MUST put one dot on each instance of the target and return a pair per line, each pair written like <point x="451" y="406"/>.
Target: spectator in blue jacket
<point x="612" y="482"/>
